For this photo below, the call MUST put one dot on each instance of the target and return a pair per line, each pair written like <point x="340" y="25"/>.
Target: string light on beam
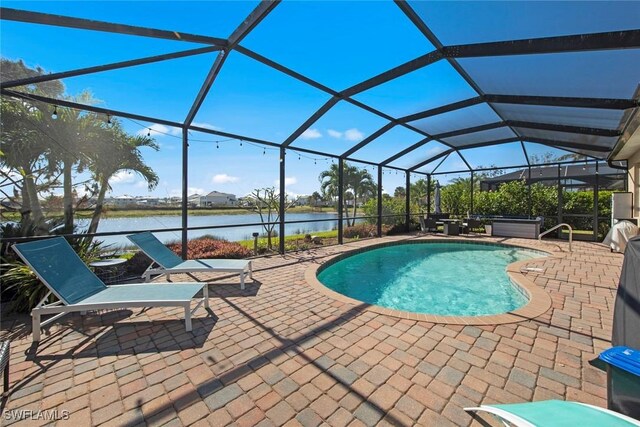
<point x="54" y="115"/>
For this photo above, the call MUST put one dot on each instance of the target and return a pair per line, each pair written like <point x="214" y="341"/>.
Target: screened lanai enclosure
<point x="529" y="97"/>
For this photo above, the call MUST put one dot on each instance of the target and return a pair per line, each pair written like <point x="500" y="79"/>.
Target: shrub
<point x="400" y="229"/>
<point x="212" y="248"/>
<point x="360" y="231"/>
<point x="138" y="263"/>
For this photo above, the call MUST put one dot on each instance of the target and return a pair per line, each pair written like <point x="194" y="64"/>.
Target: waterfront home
<point x="216" y="198"/>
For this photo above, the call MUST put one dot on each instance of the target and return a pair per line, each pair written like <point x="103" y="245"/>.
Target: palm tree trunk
<point x="67" y="196"/>
<point x="345" y="209"/>
<point x="25" y="212"/>
<point x="36" y="214"/>
<point x="355" y="208"/>
<point x="95" y="219"/>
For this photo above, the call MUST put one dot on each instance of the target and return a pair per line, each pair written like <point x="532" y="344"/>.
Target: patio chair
<point x="78" y="289"/>
<point x="551" y="413"/>
<point x="5" y="353"/>
<point x="170" y="263"/>
<point x="427" y="224"/>
<point x="470" y="224"/>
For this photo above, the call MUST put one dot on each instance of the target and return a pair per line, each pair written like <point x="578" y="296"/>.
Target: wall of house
<point x="633" y="179"/>
<point x="218" y="200"/>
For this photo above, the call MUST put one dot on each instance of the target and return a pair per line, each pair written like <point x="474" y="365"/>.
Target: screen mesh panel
<point x="475" y="22"/>
<point x="480" y="137"/>
<point x="587" y="117"/>
<point x="598" y="74"/>
<point x="459" y="119"/>
<point x="432" y="86"/>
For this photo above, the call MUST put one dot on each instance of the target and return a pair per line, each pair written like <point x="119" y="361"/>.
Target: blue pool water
<point x="445" y="279"/>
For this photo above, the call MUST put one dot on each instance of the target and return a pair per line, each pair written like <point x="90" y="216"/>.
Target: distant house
<point x="120" y="201"/>
<point x="194" y="200"/>
<point x="215" y="198"/>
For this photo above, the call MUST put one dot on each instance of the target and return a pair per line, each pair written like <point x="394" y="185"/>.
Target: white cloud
<point x="434" y="150"/>
<point x="159" y="130"/>
<point x="81" y="191"/>
<point x="311" y="134"/>
<point x="353" y="134"/>
<point x="289" y="180"/>
<point x="123" y="177"/>
<point x="334" y="133"/>
<point x="206" y="125"/>
<point x="223" y="178"/>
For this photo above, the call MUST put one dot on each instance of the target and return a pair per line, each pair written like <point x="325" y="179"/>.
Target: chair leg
<point x="250" y="271"/>
<point x="187" y="318"/>
<point x="205" y="293"/>
<point x="35" y="325"/>
<point x="5" y="388"/>
<point x="242" y="280"/>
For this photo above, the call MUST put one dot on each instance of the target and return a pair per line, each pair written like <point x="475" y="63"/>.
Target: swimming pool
<point x="443" y="279"/>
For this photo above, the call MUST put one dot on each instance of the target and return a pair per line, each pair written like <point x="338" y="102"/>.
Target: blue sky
<point x="337" y="43"/>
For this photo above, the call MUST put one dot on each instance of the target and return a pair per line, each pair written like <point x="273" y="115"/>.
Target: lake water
<point x="232" y="234"/>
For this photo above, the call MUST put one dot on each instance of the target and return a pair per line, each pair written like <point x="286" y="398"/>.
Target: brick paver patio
<point x="279" y="353"/>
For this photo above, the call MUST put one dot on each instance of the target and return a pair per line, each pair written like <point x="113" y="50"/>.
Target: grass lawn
<point x="291" y="239"/>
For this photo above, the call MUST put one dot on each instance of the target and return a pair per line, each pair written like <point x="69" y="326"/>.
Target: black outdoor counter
<point x="511" y="227"/>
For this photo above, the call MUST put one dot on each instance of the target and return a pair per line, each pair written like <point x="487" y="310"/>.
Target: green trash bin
<point x="623" y="380"/>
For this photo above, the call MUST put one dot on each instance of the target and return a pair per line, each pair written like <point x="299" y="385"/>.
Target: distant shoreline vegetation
<point x="143" y="212"/>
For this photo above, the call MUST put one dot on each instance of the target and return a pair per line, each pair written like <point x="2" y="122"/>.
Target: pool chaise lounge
<point x="78" y="289"/>
<point x="556" y="413"/>
<point x="170" y="263"/>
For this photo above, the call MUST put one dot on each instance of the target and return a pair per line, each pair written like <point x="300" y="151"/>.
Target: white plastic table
<point x="109" y="270"/>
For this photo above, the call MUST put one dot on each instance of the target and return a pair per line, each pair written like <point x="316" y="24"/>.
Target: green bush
<point x="390" y="206"/>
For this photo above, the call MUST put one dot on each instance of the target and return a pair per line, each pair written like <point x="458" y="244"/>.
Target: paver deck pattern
<point x="280" y="353"/>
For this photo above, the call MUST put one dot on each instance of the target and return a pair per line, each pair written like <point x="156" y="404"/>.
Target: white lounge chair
<point x="78" y="289"/>
<point x="556" y="413"/>
<point x="170" y="263"/>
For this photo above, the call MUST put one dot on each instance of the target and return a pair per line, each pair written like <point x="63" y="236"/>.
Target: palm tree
<point x="24" y="142"/>
<point x="329" y="182"/>
<point x="361" y="184"/>
<point x="316" y="198"/>
<point x="115" y="151"/>
<point x="22" y="160"/>
<point x="399" y="192"/>
<point x="71" y="135"/>
<point x="357" y="183"/>
<point x="419" y="190"/>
